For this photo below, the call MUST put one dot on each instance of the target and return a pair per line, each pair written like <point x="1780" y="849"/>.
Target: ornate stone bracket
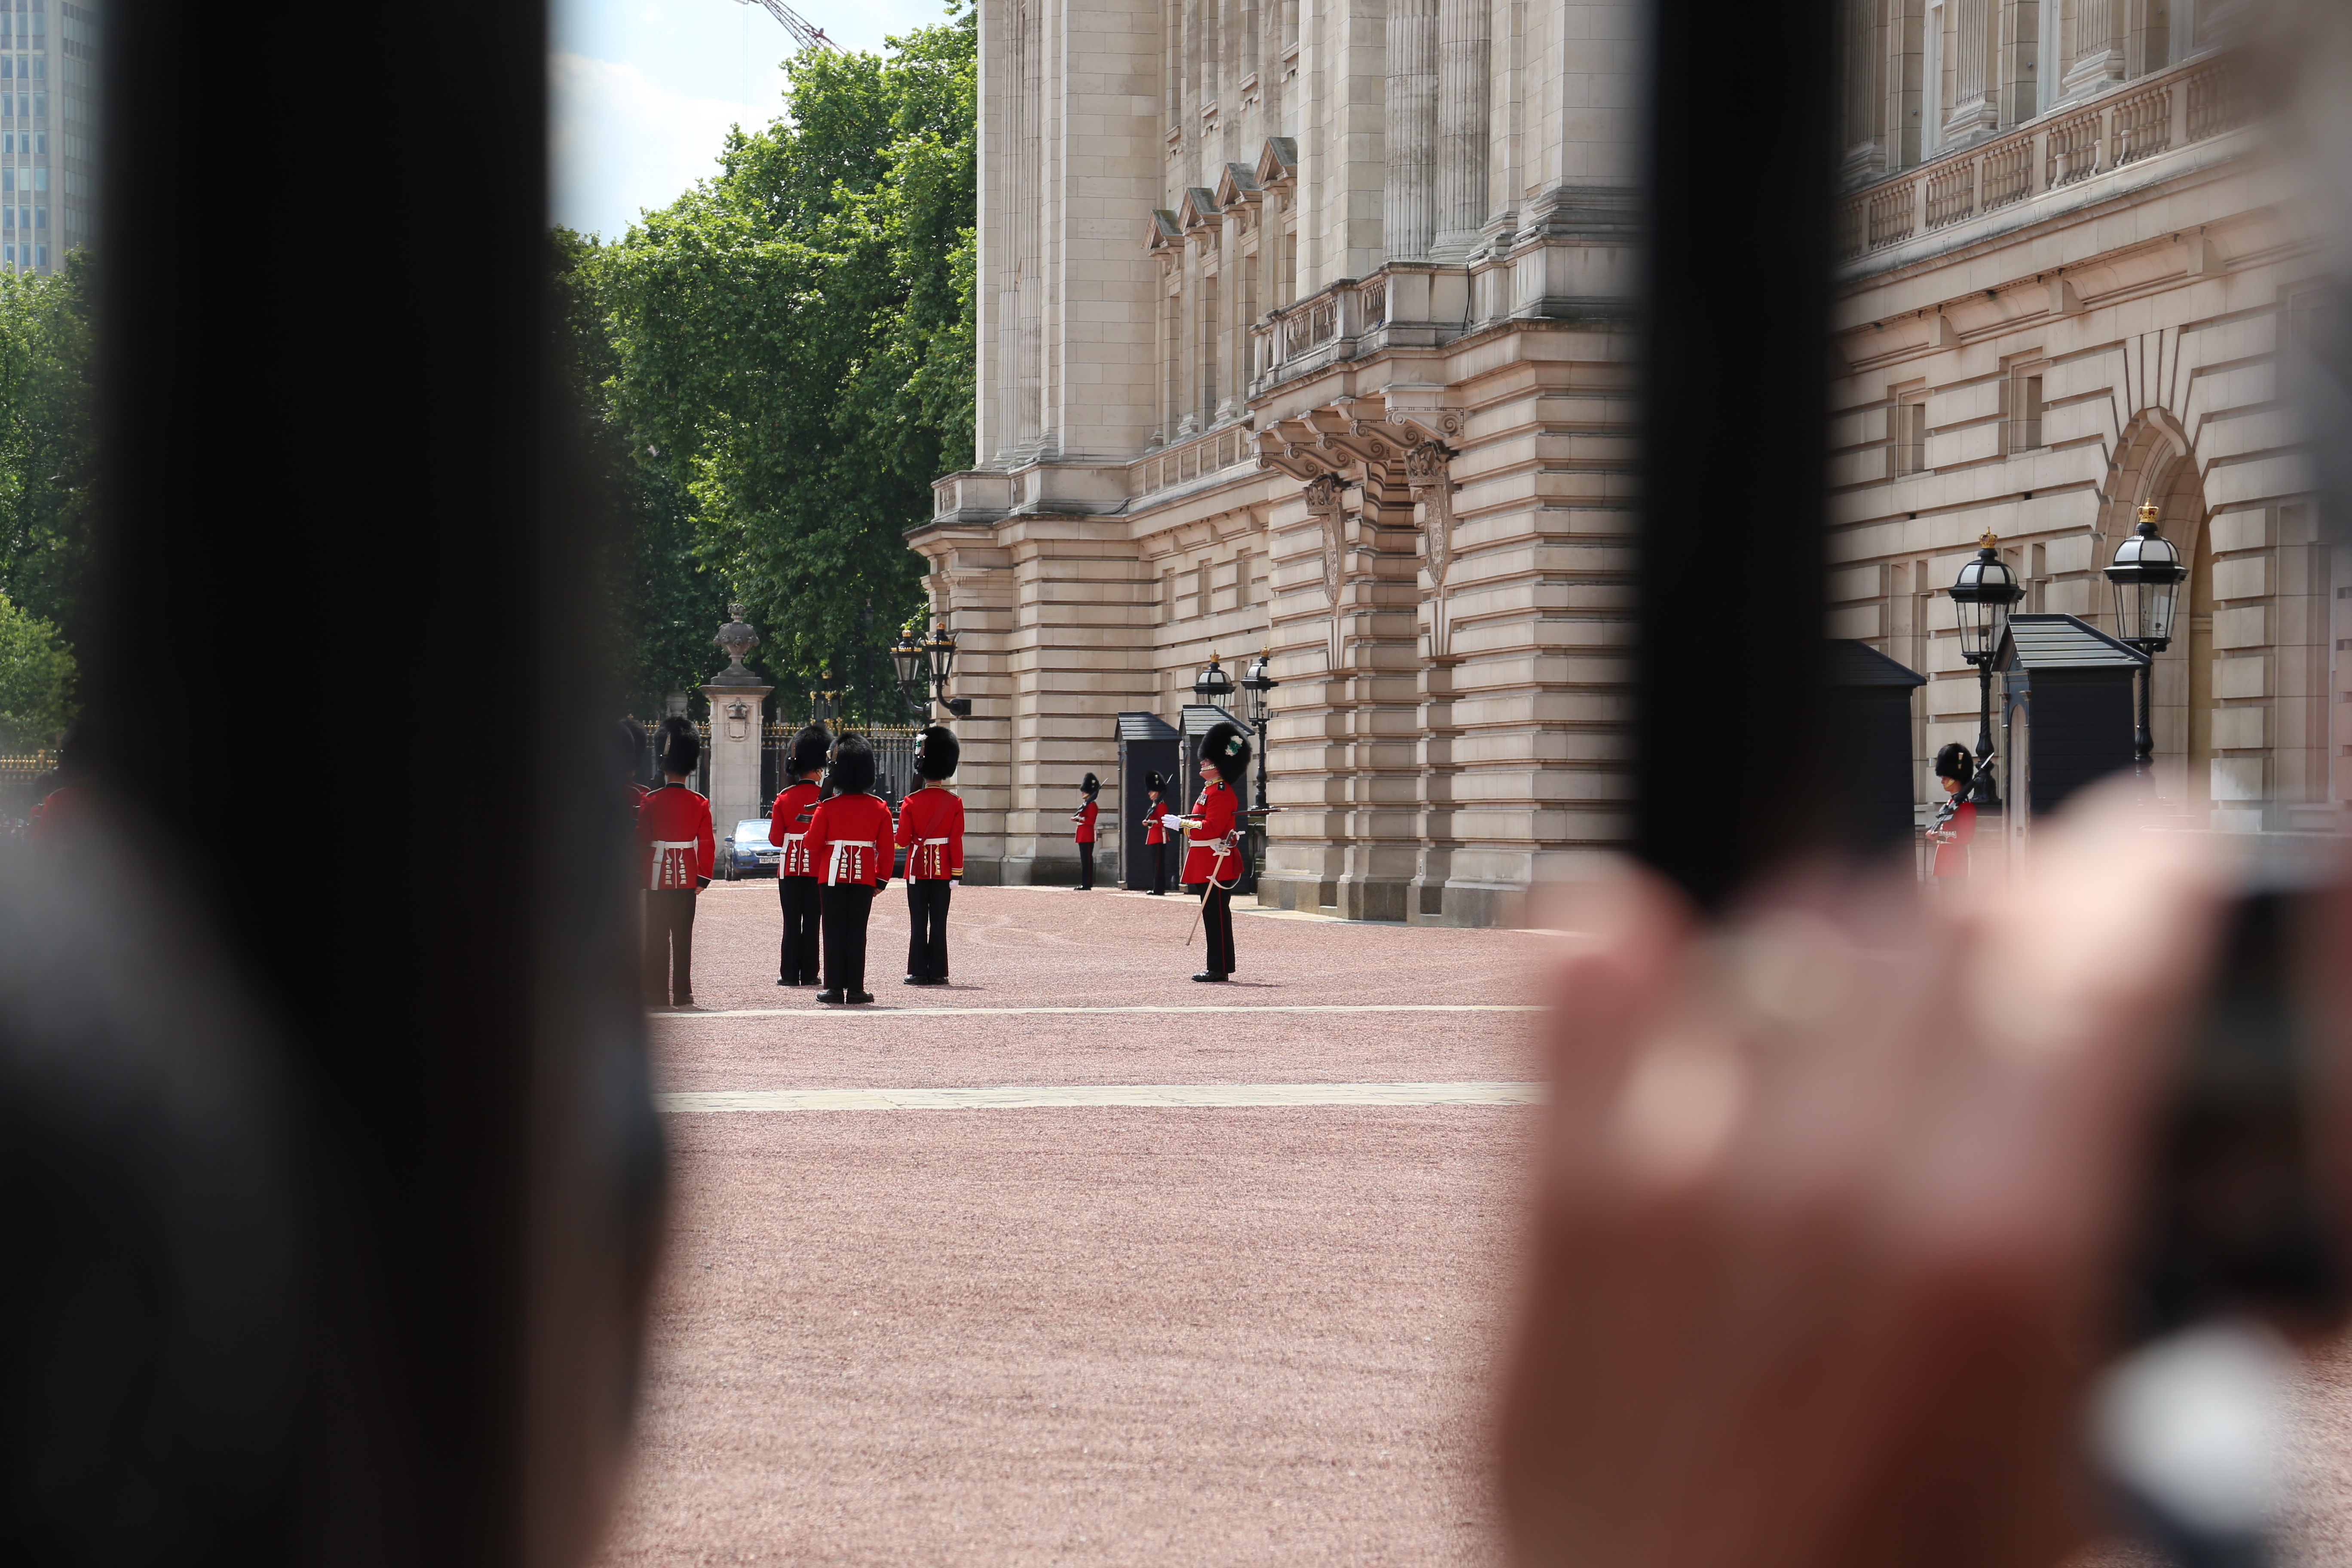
<point x="1322" y="498"/>
<point x="1428" y="472"/>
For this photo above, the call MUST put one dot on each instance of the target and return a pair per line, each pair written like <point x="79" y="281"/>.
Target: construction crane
<point x="806" y="33"/>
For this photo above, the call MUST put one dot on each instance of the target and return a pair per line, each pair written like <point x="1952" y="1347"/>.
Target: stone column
<point x="1409" y="200"/>
<point x="2097" y="56"/>
<point x="1972" y="113"/>
<point x="738" y="708"/>
<point x="1464" y="73"/>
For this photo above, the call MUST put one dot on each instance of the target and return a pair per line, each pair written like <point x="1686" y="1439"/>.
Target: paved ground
<point x="1083" y="1322"/>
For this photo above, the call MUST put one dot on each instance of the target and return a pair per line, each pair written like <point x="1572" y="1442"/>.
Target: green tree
<point x="793" y="346"/>
<point x="661" y="602"/>
<point x="47" y="441"/>
<point x="36" y="678"/>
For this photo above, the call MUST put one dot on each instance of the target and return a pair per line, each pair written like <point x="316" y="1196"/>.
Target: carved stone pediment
<point x="1277" y="163"/>
<point x="1161" y="231"/>
<point x="1238" y="186"/>
<point x="1199" y="211"/>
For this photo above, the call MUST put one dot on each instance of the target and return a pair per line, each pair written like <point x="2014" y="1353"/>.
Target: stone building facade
<point x="1303" y="328"/>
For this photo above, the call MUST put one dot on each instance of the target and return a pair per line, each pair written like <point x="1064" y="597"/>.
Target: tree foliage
<point x="48" y="442"/>
<point x="791" y="346"/>
<point x="36" y="677"/>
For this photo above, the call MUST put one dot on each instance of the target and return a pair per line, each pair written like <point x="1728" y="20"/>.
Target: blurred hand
<point x="1829" y="1202"/>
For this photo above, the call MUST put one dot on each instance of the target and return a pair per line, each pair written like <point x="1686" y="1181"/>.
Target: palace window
<point x="1907" y="435"/>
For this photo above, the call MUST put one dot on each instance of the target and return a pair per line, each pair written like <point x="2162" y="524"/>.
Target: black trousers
<point x="1217" y="919"/>
<point x="847" y="907"/>
<point x="927" y="937"/>
<point x="801" y="899"/>
<point x="670" y="946"/>
<point x="1158" y="868"/>
<point x="1086" y="864"/>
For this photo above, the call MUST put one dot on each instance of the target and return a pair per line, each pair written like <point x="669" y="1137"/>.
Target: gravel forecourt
<point x="1200" y="1329"/>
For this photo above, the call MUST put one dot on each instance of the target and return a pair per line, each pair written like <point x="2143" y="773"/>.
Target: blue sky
<point x="644" y="90"/>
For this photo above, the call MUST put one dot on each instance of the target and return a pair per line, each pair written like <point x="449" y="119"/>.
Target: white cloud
<point x="621" y="143"/>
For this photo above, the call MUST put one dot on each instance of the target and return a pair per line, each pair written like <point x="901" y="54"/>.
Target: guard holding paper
<point x="850" y="841"/>
<point x="1212" y="856"/>
<point x="930" y="826"/>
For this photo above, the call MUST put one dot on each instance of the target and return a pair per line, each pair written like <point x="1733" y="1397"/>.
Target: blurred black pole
<point x="337" y="536"/>
<point x="1734" y="389"/>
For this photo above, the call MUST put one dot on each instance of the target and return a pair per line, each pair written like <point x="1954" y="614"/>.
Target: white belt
<point x="832" y="871"/>
<point x="794" y="857"/>
<point x="921" y="847"/>
<point x="659" y="867"/>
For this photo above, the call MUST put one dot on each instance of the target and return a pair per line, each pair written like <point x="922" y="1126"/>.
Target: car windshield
<point x="751" y="828"/>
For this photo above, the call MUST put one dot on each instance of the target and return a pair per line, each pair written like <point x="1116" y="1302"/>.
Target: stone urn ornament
<point x="735" y="639"/>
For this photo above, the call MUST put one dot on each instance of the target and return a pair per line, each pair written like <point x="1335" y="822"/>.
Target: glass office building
<point x="49" y="123"/>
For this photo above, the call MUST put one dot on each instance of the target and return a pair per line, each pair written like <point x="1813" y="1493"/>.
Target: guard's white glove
<point x="1173" y="822"/>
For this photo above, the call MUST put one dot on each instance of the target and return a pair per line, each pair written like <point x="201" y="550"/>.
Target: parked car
<point x="749" y="852"/>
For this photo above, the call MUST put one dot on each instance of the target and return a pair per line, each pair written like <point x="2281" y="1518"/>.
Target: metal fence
<point x="20" y="783"/>
<point x="894" y="756"/>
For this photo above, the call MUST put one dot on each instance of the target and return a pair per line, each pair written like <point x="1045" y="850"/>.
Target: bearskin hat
<point x="1226" y="748"/>
<point x="629" y="747"/>
<point x="1154" y="784"/>
<point x="1089" y="784"/>
<point x="680" y="747"/>
<point x="853" y="765"/>
<point x="809" y="749"/>
<point x="1954" y="763"/>
<point x="937" y="757"/>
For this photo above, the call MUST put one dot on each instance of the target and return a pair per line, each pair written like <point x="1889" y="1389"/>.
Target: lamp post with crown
<point x="2147" y="574"/>
<point x="1982" y="596"/>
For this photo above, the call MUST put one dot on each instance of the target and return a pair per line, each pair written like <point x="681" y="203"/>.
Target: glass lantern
<point x="2147" y="574"/>
<point x="1213" y="685"/>
<point x="1257" y="688"/>
<point x="1982" y="595"/>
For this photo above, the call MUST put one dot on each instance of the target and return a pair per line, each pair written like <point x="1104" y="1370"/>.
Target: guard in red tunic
<point x="797" y="886"/>
<point x="930" y="826"/>
<point x="849" y="839"/>
<point x="1085" y="817"/>
<point x="1956" y="770"/>
<point x="1155" y="832"/>
<point x="1212" y="856"/>
<point x="676" y="850"/>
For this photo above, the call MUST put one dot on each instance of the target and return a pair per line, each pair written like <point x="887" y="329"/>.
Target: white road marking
<point x="874" y="1011"/>
<point x="1160" y="1096"/>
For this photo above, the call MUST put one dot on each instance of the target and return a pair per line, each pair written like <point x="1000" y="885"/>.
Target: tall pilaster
<point x="1973" y="111"/>
<point x="2095" y="58"/>
<point x="1465" y="72"/>
<point x="1409" y="200"/>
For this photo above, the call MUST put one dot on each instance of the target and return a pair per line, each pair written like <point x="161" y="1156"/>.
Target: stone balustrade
<point x="1321" y="327"/>
<point x="2178" y="107"/>
<point x="1198" y="458"/>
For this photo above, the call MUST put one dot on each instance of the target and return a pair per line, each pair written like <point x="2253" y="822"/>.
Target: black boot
<point x="832" y="997"/>
<point x="1210" y="974"/>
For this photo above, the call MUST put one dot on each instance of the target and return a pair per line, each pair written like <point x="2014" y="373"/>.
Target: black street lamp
<point x="2146" y="573"/>
<point x="924" y="665"/>
<point x="1257" y="691"/>
<point x="1213" y="685"/>
<point x="907" y="662"/>
<point x="1982" y="598"/>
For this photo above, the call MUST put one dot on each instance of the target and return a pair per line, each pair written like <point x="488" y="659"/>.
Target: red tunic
<point x="1210" y="850"/>
<point x="788" y="825"/>
<point x="1952" y="858"/>
<point x="675" y="846"/>
<point x="1154" y="830"/>
<point x="930" y="824"/>
<point x="848" y="837"/>
<point x="59" y="815"/>
<point x="1086" y="821"/>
